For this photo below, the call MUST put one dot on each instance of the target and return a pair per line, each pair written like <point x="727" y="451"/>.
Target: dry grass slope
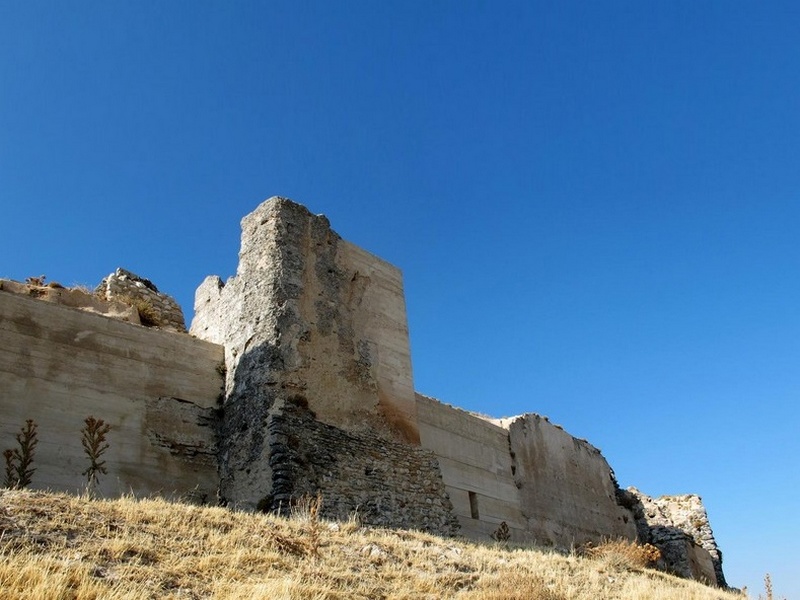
<point x="58" y="546"/>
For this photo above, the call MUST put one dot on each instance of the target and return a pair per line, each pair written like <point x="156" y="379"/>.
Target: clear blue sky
<point x="595" y="205"/>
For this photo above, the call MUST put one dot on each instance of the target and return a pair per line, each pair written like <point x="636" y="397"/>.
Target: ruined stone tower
<point x="318" y="372"/>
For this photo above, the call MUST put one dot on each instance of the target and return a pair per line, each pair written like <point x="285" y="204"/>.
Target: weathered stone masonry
<point x="314" y="326"/>
<point x="385" y="482"/>
<point x="157" y="389"/>
<point x="679" y="527"/>
<point x="161" y="309"/>
<point x="301" y="383"/>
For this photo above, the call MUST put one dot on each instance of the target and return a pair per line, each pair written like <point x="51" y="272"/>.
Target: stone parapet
<point x="78" y="298"/>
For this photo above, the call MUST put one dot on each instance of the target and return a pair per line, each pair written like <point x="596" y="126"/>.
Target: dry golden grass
<point x="59" y="546"/>
<point x="623" y="554"/>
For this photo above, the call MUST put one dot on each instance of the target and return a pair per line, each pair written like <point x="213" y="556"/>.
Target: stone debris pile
<point x="155" y="308"/>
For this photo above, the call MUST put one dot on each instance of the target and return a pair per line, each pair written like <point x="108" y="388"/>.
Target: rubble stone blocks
<point x="127" y="287"/>
<point x="680" y="528"/>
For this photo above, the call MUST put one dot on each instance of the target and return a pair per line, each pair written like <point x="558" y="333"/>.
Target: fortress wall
<point x="475" y="460"/>
<point x="157" y="390"/>
<point x="567" y="490"/>
<point x="328" y="317"/>
<point x="318" y="398"/>
<point x="549" y="487"/>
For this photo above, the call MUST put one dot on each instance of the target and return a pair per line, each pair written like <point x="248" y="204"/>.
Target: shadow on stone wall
<point x="242" y="427"/>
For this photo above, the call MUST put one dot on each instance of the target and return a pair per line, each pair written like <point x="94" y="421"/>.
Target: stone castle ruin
<point x="296" y="380"/>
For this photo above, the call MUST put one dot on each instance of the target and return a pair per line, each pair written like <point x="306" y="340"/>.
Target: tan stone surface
<point x="59" y="365"/>
<point x="473" y="457"/>
<point x="161" y="310"/>
<point x="549" y="487"/>
<point x="567" y="491"/>
<point x="318" y="398"/>
<point x="74" y="298"/>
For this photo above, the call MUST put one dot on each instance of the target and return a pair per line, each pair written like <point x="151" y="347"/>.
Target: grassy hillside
<point x="59" y="546"/>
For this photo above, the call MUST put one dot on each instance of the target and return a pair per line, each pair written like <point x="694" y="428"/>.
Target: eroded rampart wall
<point x="679" y="526"/>
<point x="549" y="487"/>
<point x="567" y="489"/>
<point x="311" y="314"/>
<point x="158" y="391"/>
<point x="155" y="308"/>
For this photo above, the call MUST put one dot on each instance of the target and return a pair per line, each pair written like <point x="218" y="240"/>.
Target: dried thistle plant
<point x="502" y="534"/>
<point x="10" y="479"/>
<point x="18" y="472"/>
<point x="93" y="440"/>
<point x="307" y="509"/>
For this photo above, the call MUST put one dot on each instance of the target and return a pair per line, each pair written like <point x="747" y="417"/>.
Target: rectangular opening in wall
<point x="473" y="505"/>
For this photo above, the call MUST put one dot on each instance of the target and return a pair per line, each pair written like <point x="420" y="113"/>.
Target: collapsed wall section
<point x="157" y="390"/>
<point x="154" y="308"/>
<point x="312" y="320"/>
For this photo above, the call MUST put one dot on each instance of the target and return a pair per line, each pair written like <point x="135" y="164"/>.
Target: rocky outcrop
<point x="679" y="527"/>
